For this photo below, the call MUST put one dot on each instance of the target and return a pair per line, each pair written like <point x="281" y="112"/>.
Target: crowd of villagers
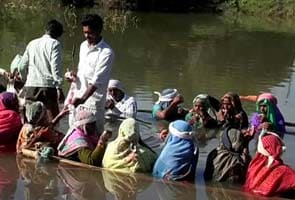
<point x="265" y="173"/>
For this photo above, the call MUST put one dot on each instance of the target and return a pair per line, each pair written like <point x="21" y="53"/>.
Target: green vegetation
<point x="281" y="9"/>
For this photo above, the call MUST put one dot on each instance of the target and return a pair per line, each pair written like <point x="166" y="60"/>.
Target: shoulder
<point x="106" y="49"/>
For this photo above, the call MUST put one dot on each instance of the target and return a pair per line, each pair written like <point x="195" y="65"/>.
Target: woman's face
<point x="263" y="108"/>
<point x="198" y="107"/>
<point x="226" y="104"/>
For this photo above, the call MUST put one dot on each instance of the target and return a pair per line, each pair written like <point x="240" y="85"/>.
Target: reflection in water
<point x="123" y="185"/>
<point x="39" y="180"/>
<point x="81" y="183"/>
<point x="8" y="176"/>
<point x="175" y="190"/>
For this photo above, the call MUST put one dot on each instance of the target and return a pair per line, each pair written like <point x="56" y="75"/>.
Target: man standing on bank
<point x="94" y="69"/>
<point x="42" y="62"/>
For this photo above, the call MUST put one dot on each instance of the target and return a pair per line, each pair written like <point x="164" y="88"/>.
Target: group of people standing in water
<point x="92" y="95"/>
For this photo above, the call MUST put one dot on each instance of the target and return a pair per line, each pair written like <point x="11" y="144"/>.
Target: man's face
<point x="115" y="93"/>
<point x="90" y="35"/>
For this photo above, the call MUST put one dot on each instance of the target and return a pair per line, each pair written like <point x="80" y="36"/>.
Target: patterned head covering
<point x="35" y="112"/>
<point x="83" y="117"/>
<point x="270" y="145"/>
<point x="9" y="100"/>
<point x="166" y="95"/>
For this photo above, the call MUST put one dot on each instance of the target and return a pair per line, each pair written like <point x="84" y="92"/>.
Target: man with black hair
<point x="41" y="63"/>
<point x="94" y="70"/>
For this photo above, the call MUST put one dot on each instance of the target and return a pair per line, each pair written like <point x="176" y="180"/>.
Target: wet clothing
<point x="273" y="115"/>
<point x="231" y="119"/>
<point x="125" y="153"/>
<point x="80" y="145"/>
<point x="36" y="129"/>
<point x="267" y="174"/>
<point x="10" y="118"/>
<point x="179" y="157"/>
<point x="228" y="162"/>
<point x="207" y="121"/>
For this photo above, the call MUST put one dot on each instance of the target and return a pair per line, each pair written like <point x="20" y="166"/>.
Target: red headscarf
<point x="10" y="119"/>
<point x="267" y="174"/>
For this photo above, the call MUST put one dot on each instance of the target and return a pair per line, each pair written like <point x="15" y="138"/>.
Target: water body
<point x="193" y="53"/>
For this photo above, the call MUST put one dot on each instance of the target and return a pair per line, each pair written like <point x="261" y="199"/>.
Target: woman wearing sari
<point x="179" y="157"/>
<point x="229" y="161"/>
<point x="231" y="112"/>
<point x="268" y="115"/>
<point x="37" y="130"/>
<point x="81" y="143"/>
<point x="10" y="120"/>
<point x="267" y="174"/>
<point x="125" y="153"/>
<point x="202" y="114"/>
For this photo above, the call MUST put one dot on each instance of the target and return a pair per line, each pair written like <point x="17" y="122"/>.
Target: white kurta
<point x="95" y="64"/>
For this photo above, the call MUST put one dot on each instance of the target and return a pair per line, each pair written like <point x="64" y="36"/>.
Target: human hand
<point x="178" y="99"/>
<point x="70" y="76"/>
<point x="105" y="136"/>
<point x="163" y="134"/>
<point x="264" y="125"/>
<point x="110" y="104"/>
<point x="77" y="101"/>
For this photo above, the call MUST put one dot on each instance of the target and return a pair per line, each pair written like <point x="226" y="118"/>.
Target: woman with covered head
<point x="268" y="115"/>
<point x="202" y="114"/>
<point x="179" y="157"/>
<point x="37" y="128"/>
<point x="168" y="106"/>
<point x="229" y="161"/>
<point x="231" y="112"/>
<point x="10" y="118"/>
<point x="81" y="143"/>
<point x="267" y="174"/>
<point x="125" y="153"/>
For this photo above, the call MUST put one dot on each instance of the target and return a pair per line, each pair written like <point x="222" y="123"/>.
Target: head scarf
<point x="228" y="162"/>
<point x="126" y="145"/>
<point x="273" y="115"/>
<point x="35" y="112"/>
<point x="268" y="96"/>
<point x="204" y="100"/>
<point x="10" y="119"/>
<point x="77" y="136"/>
<point x="179" y="156"/>
<point x="267" y="174"/>
<point x="166" y="95"/>
<point x="115" y="84"/>
<point x="9" y="101"/>
<point x="235" y="101"/>
<point x="271" y="146"/>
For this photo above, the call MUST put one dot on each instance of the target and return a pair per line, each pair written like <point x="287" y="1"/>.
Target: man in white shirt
<point x="94" y="70"/>
<point x="118" y="103"/>
<point x="41" y="63"/>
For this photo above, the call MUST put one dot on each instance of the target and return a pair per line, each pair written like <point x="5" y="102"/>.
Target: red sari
<point x="268" y="175"/>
